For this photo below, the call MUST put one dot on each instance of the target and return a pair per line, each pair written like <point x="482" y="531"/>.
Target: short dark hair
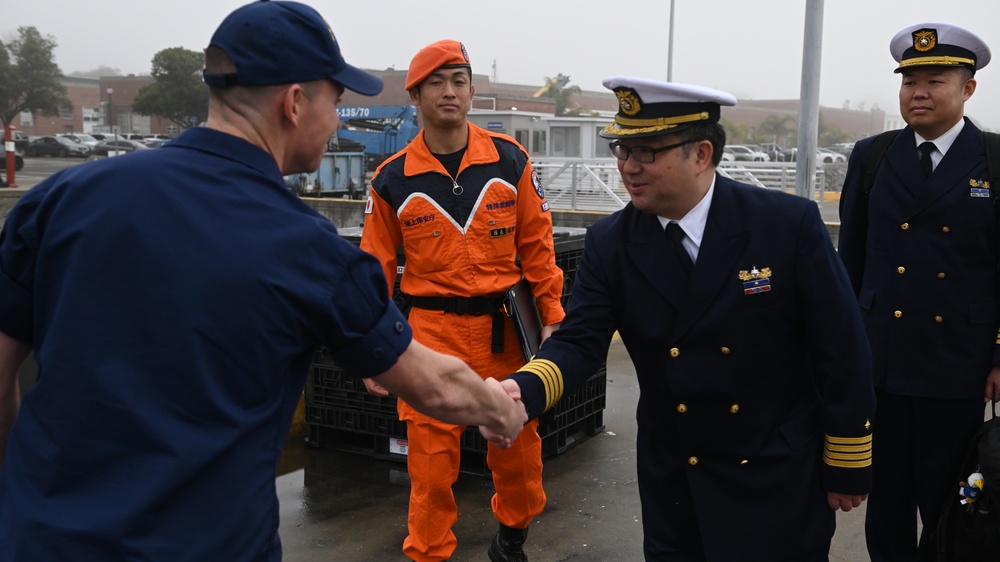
<point x="712" y="132"/>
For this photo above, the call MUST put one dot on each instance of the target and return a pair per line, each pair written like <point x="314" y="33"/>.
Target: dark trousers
<point x="918" y="447"/>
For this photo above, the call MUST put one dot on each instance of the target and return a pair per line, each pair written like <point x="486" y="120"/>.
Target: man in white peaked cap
<point x="755" y="377"/>
<point x="918" y="236"/>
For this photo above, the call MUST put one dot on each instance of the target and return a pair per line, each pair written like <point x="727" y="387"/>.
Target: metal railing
<point x="582" y="184"/>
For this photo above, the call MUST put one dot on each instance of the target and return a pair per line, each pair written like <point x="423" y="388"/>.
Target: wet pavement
<point x="343" y="506"/>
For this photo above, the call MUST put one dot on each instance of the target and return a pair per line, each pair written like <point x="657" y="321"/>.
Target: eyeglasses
<point x="643" y="154"/>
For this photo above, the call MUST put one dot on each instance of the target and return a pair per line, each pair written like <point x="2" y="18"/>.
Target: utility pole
<point x="670" y="46"/>
<point x="812" y="51"/>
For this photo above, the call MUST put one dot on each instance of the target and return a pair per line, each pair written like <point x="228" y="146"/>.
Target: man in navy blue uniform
<point x="755" y="377"/>
<point x="920" y="246"/>
<point x="173" y="300"/>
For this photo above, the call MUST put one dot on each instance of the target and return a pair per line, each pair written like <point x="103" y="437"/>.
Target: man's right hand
<point x="375" y="388"/>
<point x="504" y="434"/>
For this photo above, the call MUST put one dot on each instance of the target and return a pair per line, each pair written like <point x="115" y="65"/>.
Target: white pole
<point x="670" y="46"/>
<point x="812" y="47"/>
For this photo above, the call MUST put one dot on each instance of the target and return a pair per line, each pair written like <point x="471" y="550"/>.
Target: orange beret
<point x="442" y="54"/>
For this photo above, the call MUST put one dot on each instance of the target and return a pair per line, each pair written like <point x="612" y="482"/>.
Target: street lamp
<point x="111" y="111"/>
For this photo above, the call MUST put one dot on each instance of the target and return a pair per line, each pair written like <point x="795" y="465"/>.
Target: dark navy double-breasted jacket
<point x="755" y="375"/>
<point x="922" y="257"/>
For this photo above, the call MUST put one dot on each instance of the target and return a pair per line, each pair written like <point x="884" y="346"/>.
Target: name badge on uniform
<point x="756" y="280"/>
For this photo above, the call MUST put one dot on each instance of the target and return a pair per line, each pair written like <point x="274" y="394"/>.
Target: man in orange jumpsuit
<point x="464" y="203"/>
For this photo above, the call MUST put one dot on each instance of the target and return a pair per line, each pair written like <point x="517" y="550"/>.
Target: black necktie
<point x="675" y="234"/>
<point x="926" y="148"/>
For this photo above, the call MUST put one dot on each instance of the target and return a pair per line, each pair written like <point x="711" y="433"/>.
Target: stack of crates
<point x="340" y="413"/>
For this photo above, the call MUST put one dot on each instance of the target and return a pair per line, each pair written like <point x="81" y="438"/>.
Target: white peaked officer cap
<point x="938" y="44"/>
<point x="650" y="107"/>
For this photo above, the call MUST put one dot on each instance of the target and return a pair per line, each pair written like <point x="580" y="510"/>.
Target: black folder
<point x="519" y="304"/>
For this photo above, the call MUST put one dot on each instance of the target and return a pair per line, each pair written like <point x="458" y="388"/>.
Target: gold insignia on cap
<point x="924" y="40"/>
<point x="629" y="102"/>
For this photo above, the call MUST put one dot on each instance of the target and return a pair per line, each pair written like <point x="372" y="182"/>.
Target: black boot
<point x="508" y="545"/>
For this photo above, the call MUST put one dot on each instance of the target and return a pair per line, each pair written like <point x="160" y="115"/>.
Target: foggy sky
<point x="750" y="48"/>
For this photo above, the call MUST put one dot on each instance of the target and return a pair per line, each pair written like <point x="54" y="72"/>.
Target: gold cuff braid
<point x="551" y="378"/>
<point x="848" y="452"/>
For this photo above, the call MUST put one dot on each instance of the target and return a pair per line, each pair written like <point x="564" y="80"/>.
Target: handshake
<point x="504" y="431"/>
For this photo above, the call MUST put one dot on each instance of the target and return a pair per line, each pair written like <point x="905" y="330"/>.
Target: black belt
<point x="475" y="306"/>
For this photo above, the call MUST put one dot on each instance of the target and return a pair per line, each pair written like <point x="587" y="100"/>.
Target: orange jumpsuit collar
<point x="479" y="150"/>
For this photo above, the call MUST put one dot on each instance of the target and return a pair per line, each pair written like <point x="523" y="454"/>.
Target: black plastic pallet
<point x="366" y="423"/>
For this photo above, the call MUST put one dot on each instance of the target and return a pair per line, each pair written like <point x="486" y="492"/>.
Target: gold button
<point x="735" y="408"/>
<point x="905" y="226"/>
<point x="744" y="461"/>
<point x="938" y="319"/>
<point x="693" y="461"/>
<point x="901" y="270"/>
<point x="945" y="229"/>
<point x="682" y="408"/>
<point x="941" y="275"/>
<point x="898" y="314"/>
<point x="725" y="351"/>
<point x="674" y="352"/>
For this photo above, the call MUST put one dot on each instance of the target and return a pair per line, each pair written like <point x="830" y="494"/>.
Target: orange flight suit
<point x="461" y="237"/>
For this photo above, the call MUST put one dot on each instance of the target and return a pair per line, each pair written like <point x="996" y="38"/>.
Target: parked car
<point x="120" y="145"/>
<point x="828" y="156"/>
<point x="21" y="141"/>
<point x="727" y="155"/>
<point x="82" y="138"/>
<point x="18" y="164"/>
<point x="131" y="136"/>
<point x="823" y="155"/>
<point x="844" y="148"/>
<point x="57" y="146"/>
<point x="747" y="154"/>
<point x="774" y="151"/>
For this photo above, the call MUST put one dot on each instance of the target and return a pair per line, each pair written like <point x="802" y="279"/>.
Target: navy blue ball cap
<point x="938" y="44"/>
<point x="279" y="42"/>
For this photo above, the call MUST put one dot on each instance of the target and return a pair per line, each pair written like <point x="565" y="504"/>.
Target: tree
<point x="557" y="88"/>
<point x="830" y="134"/>
<point x="736" y="133"/>
<point x="178" y="93"/>
<point x="776" y="128"/>
<point x="31" y="81"/>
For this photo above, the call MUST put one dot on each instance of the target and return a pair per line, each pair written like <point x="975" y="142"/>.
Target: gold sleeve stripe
<point x="866" y="439"/>
<point x="551" y="377"/>
<point x="847" y="463"/>
<point x="848" y="448"/>
<point x="848" y="452"/>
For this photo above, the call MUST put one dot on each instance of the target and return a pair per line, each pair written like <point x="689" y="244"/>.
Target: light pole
<point x="111" y="109"/>
<point x="670" y="46"/>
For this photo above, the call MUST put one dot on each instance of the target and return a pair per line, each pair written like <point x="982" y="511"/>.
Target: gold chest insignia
<point x="755" y="273"/>
<point x="756" y="281"/>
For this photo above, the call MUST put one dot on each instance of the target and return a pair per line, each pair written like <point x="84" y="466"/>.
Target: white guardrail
<point x="581" y="184"/>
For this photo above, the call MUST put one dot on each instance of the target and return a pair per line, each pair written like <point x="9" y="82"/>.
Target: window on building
<point x="603" y="147"/>
<point x="522" y="138"/>
<point x="27" y="119"/>
<point x="538" y="147"/>
<point x="566" y="142"/>
<point x="66" y="112"/>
